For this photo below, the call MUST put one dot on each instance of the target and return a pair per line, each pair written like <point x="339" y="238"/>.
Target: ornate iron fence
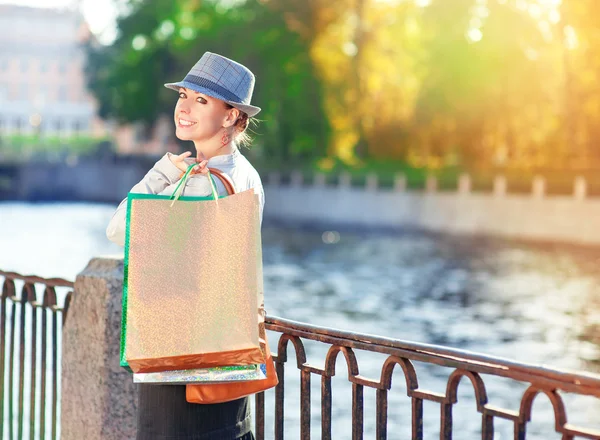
<point x="29" y="353"/>
<point x="401" y="354"/>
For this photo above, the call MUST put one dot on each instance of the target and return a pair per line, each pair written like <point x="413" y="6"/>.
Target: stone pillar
<point x="538" y="188"/>
<point x="296" y="179"/>
<point x="580" y="189"/>
<point x="319" y="180"/>
<point x="400" y="182"/>
<point x="464" y="184"/>
<point x="344" y="180"/>
<point x="500" y="186"/>
<point x="371" y="182"/>
<point x="431" y="184"/>
<point x="98" y="399"/>
<point x="274" y="179"/>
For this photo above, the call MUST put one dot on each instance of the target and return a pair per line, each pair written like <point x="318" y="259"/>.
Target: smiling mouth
<point x="184" y="123"/>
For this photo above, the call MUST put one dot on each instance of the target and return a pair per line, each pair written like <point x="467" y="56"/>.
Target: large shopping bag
<point x="192" y="290"/>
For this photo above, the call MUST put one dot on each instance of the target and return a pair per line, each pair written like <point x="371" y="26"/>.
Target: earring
<point x="225" y="139"/>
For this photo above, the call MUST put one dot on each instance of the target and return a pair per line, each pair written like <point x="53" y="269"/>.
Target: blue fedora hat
<point x="222" y="78"/>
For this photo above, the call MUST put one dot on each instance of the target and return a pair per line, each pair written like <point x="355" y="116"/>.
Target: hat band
<point x="208" y="84"/>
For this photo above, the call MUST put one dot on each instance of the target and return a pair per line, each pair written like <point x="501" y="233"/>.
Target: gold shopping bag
<point x="193" y="293"/>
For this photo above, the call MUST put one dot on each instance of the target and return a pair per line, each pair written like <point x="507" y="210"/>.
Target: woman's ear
<point x="232" y="116"/>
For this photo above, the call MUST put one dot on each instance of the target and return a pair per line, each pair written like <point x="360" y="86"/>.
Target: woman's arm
<point x="163" y="173"/>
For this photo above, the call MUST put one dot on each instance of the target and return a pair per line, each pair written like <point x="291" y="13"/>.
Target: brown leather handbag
<point x="225" y="392"/>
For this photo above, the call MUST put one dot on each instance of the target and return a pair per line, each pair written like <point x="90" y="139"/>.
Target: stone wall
<point x="572" y="219"/>
<point x="536" y="215"/>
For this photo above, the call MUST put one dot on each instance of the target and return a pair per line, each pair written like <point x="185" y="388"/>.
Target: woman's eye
<point x="201" y="100"/>
<point x="182" y="95"/>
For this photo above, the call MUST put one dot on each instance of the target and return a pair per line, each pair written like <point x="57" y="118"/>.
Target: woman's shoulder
<point x="243" y="171"/>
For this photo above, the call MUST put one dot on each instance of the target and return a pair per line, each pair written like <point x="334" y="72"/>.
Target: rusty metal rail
<point x="541" y="380"/>
<point x="20" y="314"/>
<point x="30" y="326"/>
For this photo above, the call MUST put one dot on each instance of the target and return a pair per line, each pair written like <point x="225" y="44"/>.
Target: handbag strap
<point x="225" y="180"/>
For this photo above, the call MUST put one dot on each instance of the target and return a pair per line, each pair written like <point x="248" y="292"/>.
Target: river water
<point x="529" y="302"/>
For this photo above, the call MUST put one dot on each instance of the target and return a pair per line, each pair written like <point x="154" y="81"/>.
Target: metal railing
<point x="25" y="348"/>
<point x="402" y="354"/>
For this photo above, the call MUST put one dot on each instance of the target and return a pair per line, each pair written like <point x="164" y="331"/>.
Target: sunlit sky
<point x="100" y="14"/>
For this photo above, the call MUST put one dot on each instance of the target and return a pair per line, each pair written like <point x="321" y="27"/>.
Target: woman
<point x="213" y="112"/>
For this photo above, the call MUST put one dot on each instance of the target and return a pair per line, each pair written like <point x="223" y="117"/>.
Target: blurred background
<point x="367" y="87"/>
<point x="441" y="86"/>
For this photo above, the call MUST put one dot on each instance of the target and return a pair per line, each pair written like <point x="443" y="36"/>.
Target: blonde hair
<point x="241" y="136"/>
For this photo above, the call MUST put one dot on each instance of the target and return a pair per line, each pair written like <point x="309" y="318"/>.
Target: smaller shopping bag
<point x="234" y="373"/>
<point x="225" y="392"/>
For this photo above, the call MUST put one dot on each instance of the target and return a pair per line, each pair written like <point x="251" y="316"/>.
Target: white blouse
<point x="162" y="179"/>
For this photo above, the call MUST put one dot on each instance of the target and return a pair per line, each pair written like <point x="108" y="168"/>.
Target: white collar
<point x="225" y="159"/>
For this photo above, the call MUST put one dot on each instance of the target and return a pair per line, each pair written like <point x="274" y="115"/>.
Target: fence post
<point x="371" y="182"/>
<point x="431" y="184"/>
<point x="344" y="180"/>
<point x="400" y="182"/>
<point x="319" y="180"/>
<point x="499" y="186"/>
<point x="274" y="178"/>
<point x="98" y="399"/>
<point x="464" y="184"/>
<point x="296" y="179"/>
<point x="538" y="189"/>
<point x="580" y="190"/>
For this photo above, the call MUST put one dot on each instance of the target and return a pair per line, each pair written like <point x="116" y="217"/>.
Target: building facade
<point x="42" y="82"/>
<point x="43" y="86"/>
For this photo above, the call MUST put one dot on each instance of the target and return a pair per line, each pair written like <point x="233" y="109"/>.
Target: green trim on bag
<point x="130" y="197"/>
<point x="160" y="197"/>
<point x="122" y="359"/>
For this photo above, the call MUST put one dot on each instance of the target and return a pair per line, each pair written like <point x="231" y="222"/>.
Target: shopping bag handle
<point x="227" y="183"/>
<point x="225" y="180"/>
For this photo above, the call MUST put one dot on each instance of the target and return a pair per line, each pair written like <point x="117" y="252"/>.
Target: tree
<point x="159" y="41"/>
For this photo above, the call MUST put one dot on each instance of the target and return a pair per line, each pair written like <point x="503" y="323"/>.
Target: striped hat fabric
<point x="221" y="78"/>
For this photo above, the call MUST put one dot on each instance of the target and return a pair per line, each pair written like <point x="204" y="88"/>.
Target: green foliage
<point x="160" y="41"/>
<point x="509" y="84"/>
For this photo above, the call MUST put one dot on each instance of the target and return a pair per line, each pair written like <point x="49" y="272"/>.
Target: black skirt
<point x="164" y="414"/>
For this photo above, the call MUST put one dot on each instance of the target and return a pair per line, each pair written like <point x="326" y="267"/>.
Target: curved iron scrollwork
<point x="541" y="380"/>
<point x="28" y="323"/>
<point x="29" y="339"/>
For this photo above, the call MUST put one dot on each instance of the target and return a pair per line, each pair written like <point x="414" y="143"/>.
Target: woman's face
<point x="198" y="117"/>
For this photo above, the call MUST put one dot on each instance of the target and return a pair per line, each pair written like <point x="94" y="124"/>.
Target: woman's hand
<point x="179" y="162"/>
<point x="201" y="167"/>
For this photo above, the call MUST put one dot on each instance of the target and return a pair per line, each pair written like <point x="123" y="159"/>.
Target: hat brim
<point x="250" y="110"/>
